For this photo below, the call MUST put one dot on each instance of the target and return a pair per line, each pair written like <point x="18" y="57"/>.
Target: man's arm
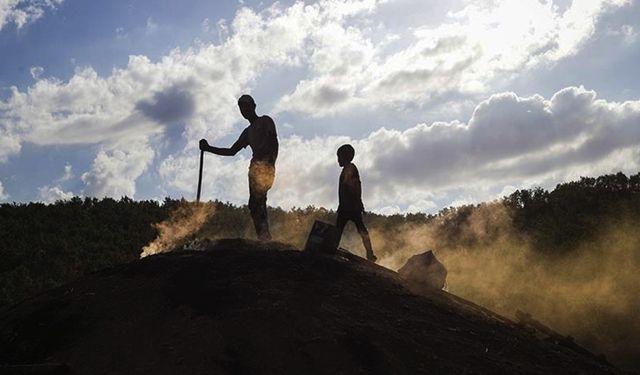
<point x="237" y="146"/>
<point x="271" y="129"/>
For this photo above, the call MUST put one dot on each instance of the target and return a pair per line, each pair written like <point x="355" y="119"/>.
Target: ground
<point x="240" y="307"/>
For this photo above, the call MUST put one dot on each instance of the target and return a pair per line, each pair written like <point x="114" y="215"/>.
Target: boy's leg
<point x="341" y="221"/>
<point x="364" y="233"/>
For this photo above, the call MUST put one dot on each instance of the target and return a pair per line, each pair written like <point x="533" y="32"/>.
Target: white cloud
<point x="36" y="72"/>
<point x="484" y="43"/>
<point x="68" y="173"/>
<point x="193" y="88"/>
<point x="22" y="12"/>
<point x="9" y="144"/>
<point x="3" y="195"/>
<point x="206" y="25"/>
<point x="508" y="143"/>
<point x="93" y="109"/>
<point x="51" y="194"/>
<point x="506" y="191"/>
<point x="223" y="30"/>
<point x="508" y="137"/>
<point x="121" y="33"/>
<point x="115" y="171"/>
<point x="150" y="26"/>
<point x="628" y="33"/>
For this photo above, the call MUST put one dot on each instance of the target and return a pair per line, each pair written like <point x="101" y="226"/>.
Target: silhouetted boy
<point x="350" y="205"/>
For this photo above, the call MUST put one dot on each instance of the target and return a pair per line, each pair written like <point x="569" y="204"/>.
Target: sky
<point x="445" y="102"/>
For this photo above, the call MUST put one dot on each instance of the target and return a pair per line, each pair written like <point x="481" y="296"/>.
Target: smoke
<point x="183" y="222"/>
<point x="590" y="293"/>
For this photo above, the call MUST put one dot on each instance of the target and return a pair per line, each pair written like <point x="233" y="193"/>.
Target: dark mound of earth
<point x="246" y="308"/>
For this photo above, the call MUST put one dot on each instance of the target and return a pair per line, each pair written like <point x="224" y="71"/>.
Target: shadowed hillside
<point x="568" y="256"/>
<point x="246" y="308"/>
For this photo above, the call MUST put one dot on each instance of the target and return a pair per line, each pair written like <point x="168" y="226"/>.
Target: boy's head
<point x="345" y="154"/>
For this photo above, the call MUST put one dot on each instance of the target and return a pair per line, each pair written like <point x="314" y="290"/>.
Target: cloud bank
<point x="508" y="138"/>
<point x="346" y="60"/>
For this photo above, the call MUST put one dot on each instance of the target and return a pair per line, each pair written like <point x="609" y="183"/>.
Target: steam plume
<point x="183" y="222"/>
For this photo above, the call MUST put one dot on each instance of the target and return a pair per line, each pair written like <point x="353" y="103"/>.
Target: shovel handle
<point x="200" y="176"/>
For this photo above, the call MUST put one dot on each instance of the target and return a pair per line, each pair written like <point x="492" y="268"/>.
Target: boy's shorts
<point x="356" y="216"/>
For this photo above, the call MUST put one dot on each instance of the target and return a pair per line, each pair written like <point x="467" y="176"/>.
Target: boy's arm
<point x="354" y="186"/>
<point x="357" y="185"/>
<point x="358" y="188"/>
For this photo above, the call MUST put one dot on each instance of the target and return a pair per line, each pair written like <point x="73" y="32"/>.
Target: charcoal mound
<point x="241" y="307"/>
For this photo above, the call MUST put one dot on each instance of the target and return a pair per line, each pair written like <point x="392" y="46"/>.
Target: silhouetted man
<point x="262" y="137"/>
<point x="350" y="206"/>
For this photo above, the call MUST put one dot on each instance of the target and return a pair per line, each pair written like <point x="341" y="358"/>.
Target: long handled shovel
<point x="193" y="243"/>
<point x="200" y="176"/>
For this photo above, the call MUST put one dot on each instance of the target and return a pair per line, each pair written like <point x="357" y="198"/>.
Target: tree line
<point x="46" y="245"/>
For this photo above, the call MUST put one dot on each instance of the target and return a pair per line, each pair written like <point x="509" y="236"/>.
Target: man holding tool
<point x="262" y="137"/>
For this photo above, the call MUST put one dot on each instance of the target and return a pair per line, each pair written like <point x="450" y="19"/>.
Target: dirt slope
<point x="245" y="308"/>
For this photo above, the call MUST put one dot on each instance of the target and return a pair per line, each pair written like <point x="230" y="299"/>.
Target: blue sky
<point x="102" y="35"/>
<point x="446" y="102"/>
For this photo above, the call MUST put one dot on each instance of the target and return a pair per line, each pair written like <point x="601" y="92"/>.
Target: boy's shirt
<point x="350" y="190"/>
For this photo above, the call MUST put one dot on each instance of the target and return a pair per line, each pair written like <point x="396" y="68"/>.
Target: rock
<point x="322" y="238"/>
<point x="423" y="273"/>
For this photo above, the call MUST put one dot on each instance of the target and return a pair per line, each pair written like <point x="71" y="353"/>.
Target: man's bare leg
<point x="261" y="221"/>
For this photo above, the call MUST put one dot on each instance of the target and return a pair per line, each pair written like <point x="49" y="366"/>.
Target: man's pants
<point x="261" y="176"/>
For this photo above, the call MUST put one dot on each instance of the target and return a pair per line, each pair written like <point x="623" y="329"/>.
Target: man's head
<point x="345" y="154"/>
<point x="247" y="107"/>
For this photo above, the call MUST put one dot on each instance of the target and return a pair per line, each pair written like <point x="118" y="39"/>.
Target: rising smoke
<point x="590" y="292"/>
<point x="183" y="223"/>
